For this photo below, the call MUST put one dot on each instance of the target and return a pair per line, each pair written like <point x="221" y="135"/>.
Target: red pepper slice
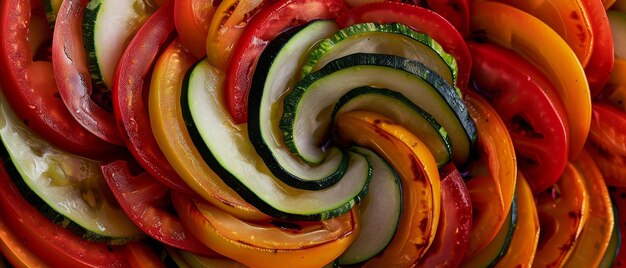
<point x="69" y="60"/>
<point x="598" y="69"/>
<point x="421" y="20"/>
<point x="529" y="105"/>
<point x="147" y="203"/>
<point x="262" y="28"/>
<point x="453" y="234"/>
<point x="30" y="87"/>
<point x="131" y="109"/>
<point x="455" y="11"/>
<point x="52" y="243"/>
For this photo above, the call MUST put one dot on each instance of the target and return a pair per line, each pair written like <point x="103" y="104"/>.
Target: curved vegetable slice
<point x="72" y="74"/>
<point x="514" y="29"/>
<point x="145" y="201"/>
<point x="523" y="247"/>
<point x="192" y="19"/>
<point x="455" y="224"/>
<point x="531" y="108"/>
<point x="614" y="244"/>
<point x="421" y="20"/>
<point x="140" y="255"/>
<point x="130" y="106"/>
<point x="563" y="211"/>
<point x="227" y="150"/>
<point x="607" y="143"/>
<point x="421" y="188"/>
<point x="33" y="93"/>
<point x="172" y="137"/>
<point x="492" y="177"/>
<point x="15" y="251"/>
<point x="595" y="235"/>
<point x="615" y="90"/>
<point x="455" y="11"/>
<point x="264" y="27"/>
<point x="598" y="70"/>
<point x="272" y="244"/>
<point x="52" y="243"/>
<point x="619" y="198"/>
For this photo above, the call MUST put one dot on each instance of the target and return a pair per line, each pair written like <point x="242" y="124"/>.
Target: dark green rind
<point x="90" y="17"/>
<point x="51" y="15"/>
<point x="254" y="125"/>
<point x="241" y="189"/>
<point x="413" y="67"/>
<point x="323" y="47"/>
<point x="509" y="236"/>
<point x="402" y="99"/>
<point x="52" y="214"/>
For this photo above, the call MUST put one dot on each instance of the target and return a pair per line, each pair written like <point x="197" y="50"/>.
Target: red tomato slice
<point x="14" y="250"/>
<point x="452" y="238"/>
<point x="140" y="255"/>
<point x="146" y="202"/>
<point x="69" y="60"/>
<point x="54" y="244"/>
<point x="29" y="84"/>
<point x="421" y="20"/>
<point x="192" y="19"/>
<point x="607" y="142"/>
<point x="529" y="105"/>
<point x="598" y="69"/>
<point x="131" y="109"/>
<point x="264" y="27"/>
<point x="455" y="11"/>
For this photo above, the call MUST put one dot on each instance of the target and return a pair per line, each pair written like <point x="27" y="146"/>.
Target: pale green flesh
<point x="617" y="20"/>
<point x="231" y="147"/>
<point x="401" y="111"/>
<point x="390" y="39"/>
<point x="115" y="24"/>
<point x="69" y="184"/>
<point x="379" y="212"/>
<point x="313" y="114"/>
<point x="284" y="68"/>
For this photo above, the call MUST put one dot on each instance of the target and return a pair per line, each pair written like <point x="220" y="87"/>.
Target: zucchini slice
<point x="226" y="148"/>
<point x="307" y="109"/>
<point x="390" y="39"/>
<point x="402" y="111"/>
<point x="67" y="189"/>
<point x="379" y="212"/>
<point x="108" y="27"/>
<point x="279" y="63"/>
<point x="52" y="9"/>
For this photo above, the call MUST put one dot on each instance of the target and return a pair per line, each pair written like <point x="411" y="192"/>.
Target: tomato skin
<point x="146" y="202"/>
<point x="455" y="11"/>
<point x="520" y="92"/>
<point x="30" y="86"/>
<point x="421" y="20"/>
<point x="264" y="27"/>
<point x="52" y="243"/>
<point x="607" y="142"/>
<point x="453" y="233"/>
<point x="192" y="19"/>
<point x="15" y="251"/>
<point x="131" y="109"/>
<point x="69" y="61"/>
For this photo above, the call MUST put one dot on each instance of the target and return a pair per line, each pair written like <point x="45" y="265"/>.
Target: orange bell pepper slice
<point x="595" y="236"/>
<point x="492" y="176"/>
<point x="421" y="188"/>
<point x="520" y="31"/>
<point x="272" y="244"/>
<point x="563" y="211"/>
<point x="172" y="137"/>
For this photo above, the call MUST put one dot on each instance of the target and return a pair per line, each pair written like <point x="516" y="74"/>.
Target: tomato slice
<point x="28" y="81"/>
<point x="226" y="27"/>
<point x="131" y="109"/>
<point x="607" y="143"/>
<point x="421" y="20"/>
<point x="146" y="202"/>
<point x="15" y="251"/>
<point x="517" y="30"/>
<point x="455" y="11"/>
<point x="453" y="233"/>
<point x="69" y="60"/>
<point x="598" y="70"/>
<point x="271" y="244"/>
<point x="492" y="176"/>
<point x="594" y="238"/>
<point x="51" y="242"/>
<point x="563" y="211"/>
<point x="140" y="255"/>
<point x="172" y="137"/>
<point x="264" y="27"/>
<point x="192" y="19"/>
<point x="531" y="108"/>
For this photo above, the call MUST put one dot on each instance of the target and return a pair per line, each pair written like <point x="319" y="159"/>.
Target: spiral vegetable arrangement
<point x="312" y="133"/>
